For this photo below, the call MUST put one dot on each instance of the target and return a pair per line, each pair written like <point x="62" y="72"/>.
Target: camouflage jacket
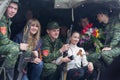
<point x="113" y="40"/>
<point x="113" y="33"/>
<point x="8" y="48"/>
<point x="50" y="52"/>
<point x="5" y="31"/>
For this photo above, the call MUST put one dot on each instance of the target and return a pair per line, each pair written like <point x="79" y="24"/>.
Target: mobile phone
<point x="71" y="57"/>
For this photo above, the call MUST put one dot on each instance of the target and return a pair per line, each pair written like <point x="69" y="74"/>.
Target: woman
<point x="31" y="35"/>
<point x="78" y="67"/>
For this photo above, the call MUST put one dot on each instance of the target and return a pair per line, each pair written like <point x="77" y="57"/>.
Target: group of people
<point x="29" y="44"/>
<point x="43" y="57"/>
<point x="103" y="60"/>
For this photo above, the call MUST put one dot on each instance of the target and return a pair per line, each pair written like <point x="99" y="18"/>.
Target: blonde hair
<point x="32" y="39"/>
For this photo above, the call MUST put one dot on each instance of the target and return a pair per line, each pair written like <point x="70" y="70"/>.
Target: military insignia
<point x="3" y="30"/>
<point x="80" y="53"/>
<point x="45" y="52"/>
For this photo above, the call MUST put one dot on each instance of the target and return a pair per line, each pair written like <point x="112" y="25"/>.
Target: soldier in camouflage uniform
<point x="8" y="48"/>
<point x="112" y="40"/>
<point x="52" y="49"/>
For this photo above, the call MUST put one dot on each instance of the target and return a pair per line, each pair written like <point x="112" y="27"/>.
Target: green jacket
<point x="113" y="36"/>
<point x="8" y="48"/>
<point x="52" y="49"/>
<point x="5" y="31"/>
<point x="113" y="40"/>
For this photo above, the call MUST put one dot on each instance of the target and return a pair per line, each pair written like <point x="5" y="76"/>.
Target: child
<point x="79" y="66"/>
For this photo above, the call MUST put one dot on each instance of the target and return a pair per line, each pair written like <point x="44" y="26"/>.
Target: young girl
<point x="35" y="64"/>
<point x="79" y="67"/>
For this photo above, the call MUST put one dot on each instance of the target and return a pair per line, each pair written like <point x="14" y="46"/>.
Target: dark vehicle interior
<point x="65" y="12"/>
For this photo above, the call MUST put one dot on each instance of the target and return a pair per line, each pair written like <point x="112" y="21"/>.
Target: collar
<point x="73" y="46"/>
<point x="5" y="19"/>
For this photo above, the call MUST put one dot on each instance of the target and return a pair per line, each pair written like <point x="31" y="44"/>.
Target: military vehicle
<point x="63" y="11"/>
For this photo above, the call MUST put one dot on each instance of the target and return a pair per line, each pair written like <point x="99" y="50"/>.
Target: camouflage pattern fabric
<point x="7" y="47"/>
<point x="112" y="40"/>
<point x="50" y="52"/>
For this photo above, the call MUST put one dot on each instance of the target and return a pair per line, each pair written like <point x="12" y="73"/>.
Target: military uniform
<point x="50" y="52"/>
<point x="7" y="47"/>
<point x="112" y="40"/>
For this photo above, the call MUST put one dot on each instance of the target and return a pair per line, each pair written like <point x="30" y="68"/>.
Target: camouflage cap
<point x="53" y="25"/>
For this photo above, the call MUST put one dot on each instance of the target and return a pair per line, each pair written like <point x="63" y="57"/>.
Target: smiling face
<point x="53" y="33"/>
<point x="12" y="10"/>
<point x="34" y="28"/>
<point x="75" y="38"/>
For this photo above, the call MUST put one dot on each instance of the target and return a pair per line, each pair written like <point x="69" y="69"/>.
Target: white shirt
<point x="77" y="60"/>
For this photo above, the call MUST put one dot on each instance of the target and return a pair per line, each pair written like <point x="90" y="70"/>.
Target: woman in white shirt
<point x="79" y="67"/>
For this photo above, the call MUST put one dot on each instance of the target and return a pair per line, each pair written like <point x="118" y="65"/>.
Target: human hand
<point x="36" y="60"/>
<point x="106" y="49"/>
<point x="23" y="46"/>
<point x="90" y="67"/>
<point x="24" y="71"/>
<point x="64" y="48"/>
<point x="35" y="54"/>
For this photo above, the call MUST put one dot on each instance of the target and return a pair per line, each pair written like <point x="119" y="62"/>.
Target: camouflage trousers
<point x="107" y="57"/>
<point x="10" y="52"/>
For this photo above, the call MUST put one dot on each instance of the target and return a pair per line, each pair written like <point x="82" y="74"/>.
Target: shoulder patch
<point x="45" y="52"/>
<point x="3" y="30"/>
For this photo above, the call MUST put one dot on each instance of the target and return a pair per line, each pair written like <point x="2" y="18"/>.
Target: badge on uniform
<point x="3" y="30"/>
<point x="45" y="52"/>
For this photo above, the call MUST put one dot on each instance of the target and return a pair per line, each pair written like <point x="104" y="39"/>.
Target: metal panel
<point x="74" y="3"/>
<point x="3" y="6"/>
<point x="67" y="3"/>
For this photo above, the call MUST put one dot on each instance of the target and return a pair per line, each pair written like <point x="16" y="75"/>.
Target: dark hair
<point x="15" y="3"/>
<point x="101" y="11"/>
<point x="74" y="32"/>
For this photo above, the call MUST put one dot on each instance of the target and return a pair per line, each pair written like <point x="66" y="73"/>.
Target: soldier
<point x="52" y="49"/>
<point x="8" y="48"/>
<point x="112" y="39"/>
